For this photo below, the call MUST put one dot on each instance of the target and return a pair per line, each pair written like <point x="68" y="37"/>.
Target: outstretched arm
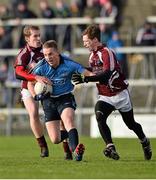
<point x="90" y="77"/>
<point x="22" y="74"/>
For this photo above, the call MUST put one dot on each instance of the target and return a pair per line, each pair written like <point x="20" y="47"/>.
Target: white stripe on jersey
<point x="100" y="56"/>
<point x="90" y="57"/>
<point x="111" y="58"/>
<point x="112" y="62"/>
<point x="19" y="61"/>
<point x="31" y="57"/>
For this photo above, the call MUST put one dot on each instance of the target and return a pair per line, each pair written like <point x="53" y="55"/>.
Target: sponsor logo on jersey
<point x="58" y="81"/>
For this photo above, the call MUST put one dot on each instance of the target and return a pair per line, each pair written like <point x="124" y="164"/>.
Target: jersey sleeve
<point x="76" y="67"/>
<point x="22" y="58"/>
<point x="20" y="66"/>
<point x="22" y="74"/>
<point x="37" y="71"/>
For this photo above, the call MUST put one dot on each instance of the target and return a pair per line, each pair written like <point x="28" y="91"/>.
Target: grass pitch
<point x="19" y="159"/>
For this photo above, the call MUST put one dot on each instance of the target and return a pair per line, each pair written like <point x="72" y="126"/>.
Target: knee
<point x="69" y="124"/>
<point x="55" y="140"/>
<point x="130" y="126"/>
<point x="133" y="126"/>
<point x="99" y="116"/>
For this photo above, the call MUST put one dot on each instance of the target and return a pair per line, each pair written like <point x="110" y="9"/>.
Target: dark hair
<point x="27" y="30"/>
<point x="92" y="31"/>
<point x="50" y="44"/>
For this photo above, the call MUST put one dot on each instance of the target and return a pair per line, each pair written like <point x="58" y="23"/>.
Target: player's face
<point x="88" y="43"/>
<point x="52" y="56"/>
<point x="34" y="40"/>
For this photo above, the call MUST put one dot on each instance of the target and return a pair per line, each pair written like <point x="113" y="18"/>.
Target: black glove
<point x="78" y="79"/>
<point x="41" y="96"/>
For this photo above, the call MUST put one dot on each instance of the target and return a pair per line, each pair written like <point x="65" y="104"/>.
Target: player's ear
<point x="26" y="39"/>
<point x="95" y="39"/>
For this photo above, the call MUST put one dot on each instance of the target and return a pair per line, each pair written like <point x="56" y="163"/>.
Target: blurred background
<point x="127" y="26"/>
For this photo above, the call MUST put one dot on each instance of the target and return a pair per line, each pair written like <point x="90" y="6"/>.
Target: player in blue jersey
<point x="61" y="103"/>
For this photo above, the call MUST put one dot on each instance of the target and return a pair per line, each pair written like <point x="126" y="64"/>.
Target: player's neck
<point x="97" y="45"/>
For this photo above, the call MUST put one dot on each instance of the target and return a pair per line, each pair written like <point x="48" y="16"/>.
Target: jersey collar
<point x="39" y="49"/>
<point x="98" y="48"/>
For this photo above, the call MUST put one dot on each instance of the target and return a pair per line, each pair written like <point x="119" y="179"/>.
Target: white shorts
<point x="25" y="94"/>
<point x="121" y="101"/>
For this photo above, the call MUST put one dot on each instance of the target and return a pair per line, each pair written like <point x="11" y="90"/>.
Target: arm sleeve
<point x="102" y="77"/>
<point x="89" y="68"/>
<point x="22" y="74"/>
<point x="76" y="67"/>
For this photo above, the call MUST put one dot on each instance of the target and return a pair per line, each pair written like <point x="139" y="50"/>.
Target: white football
<point x="42" y="88"/>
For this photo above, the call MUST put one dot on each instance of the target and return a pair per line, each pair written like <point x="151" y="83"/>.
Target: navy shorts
<point x="54" y="106"/>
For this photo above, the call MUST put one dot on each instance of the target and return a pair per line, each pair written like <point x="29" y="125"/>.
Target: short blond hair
<point x="50" y="44"/>
<point x="27" y="30"/>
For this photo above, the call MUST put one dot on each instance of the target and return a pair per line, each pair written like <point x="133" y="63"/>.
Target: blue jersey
<point x="60" y="76"/>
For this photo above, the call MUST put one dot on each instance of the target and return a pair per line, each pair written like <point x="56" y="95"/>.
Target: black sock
<point x="64" y="135"/>
<point x="41" y="141"/>
<point x="73" y="139"/>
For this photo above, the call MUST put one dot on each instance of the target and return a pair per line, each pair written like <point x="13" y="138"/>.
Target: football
<point x="42" y="88"/>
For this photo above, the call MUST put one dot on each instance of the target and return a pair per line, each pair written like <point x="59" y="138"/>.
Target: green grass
<point x="19" y="158"/>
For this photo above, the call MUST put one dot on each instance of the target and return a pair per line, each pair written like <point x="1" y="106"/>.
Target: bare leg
<point x="35" y="124"/>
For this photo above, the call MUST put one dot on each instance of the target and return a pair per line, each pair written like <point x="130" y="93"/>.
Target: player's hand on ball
<point x="43" y="79"/>
<point x="42" y="96"/>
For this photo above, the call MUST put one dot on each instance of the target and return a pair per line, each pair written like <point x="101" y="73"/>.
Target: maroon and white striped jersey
<point x="25" y="62"/>
<point x="104" y="59"/>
